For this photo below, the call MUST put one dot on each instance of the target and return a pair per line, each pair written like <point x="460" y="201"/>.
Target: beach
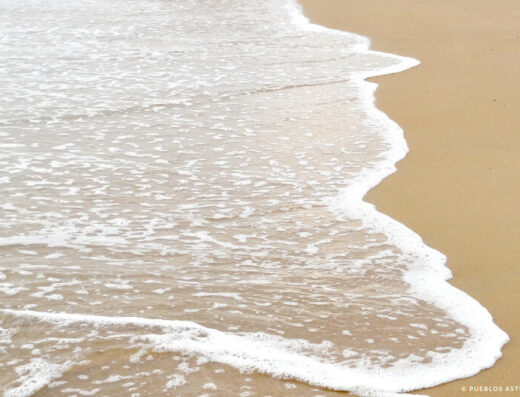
<point x="458" y="186"/>
<point x="183" y="203"/>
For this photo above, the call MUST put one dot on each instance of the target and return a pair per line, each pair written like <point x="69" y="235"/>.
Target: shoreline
<point x="455" y="187"/>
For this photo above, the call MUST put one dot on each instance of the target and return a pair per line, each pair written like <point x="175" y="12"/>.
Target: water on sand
<point x="181" y="192"/>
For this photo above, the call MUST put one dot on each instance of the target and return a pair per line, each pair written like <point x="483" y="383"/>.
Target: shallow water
<point x="181" y="186"/>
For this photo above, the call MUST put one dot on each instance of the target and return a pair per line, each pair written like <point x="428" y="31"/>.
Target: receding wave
<point x="182" y="209"/>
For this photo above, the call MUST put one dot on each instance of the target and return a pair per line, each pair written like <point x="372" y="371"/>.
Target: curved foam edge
<point x="428" y="276"/>
<point x="247" y="352"/>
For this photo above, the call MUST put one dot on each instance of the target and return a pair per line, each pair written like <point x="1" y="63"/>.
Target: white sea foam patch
<point x="34" y="376"/>
<point x="277" y="356"/>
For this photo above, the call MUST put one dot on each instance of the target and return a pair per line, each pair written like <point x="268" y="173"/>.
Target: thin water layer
<point x="181" y="188"/>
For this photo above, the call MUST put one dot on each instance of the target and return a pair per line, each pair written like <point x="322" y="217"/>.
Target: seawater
<point x="181" y="206"/>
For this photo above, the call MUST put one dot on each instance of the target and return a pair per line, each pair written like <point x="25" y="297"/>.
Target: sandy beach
<point x="182" y="198"/>
<point x="459" y="185"/>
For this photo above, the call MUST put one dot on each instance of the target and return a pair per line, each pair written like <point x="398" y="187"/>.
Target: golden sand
<point x="459" y="187"/>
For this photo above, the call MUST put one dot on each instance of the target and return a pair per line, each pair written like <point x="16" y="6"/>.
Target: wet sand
<point x="459" y="186"/>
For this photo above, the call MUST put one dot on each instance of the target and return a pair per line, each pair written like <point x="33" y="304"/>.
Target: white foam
<point x="265" y="353"/>
<point x="428" y="275"/>
<point x="35" y="375"/>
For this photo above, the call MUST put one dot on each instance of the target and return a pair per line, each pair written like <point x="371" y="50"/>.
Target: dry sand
<point x="459" y="187"/>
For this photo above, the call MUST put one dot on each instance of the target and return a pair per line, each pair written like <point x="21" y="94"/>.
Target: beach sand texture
<point x="459" y="185"/>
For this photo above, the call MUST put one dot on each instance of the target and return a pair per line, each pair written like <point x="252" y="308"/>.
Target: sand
<point x="459" y="187"/>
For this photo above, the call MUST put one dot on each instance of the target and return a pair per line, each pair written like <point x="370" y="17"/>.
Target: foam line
<point x="428" y="276"/>
<point x="260" y="352"/>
